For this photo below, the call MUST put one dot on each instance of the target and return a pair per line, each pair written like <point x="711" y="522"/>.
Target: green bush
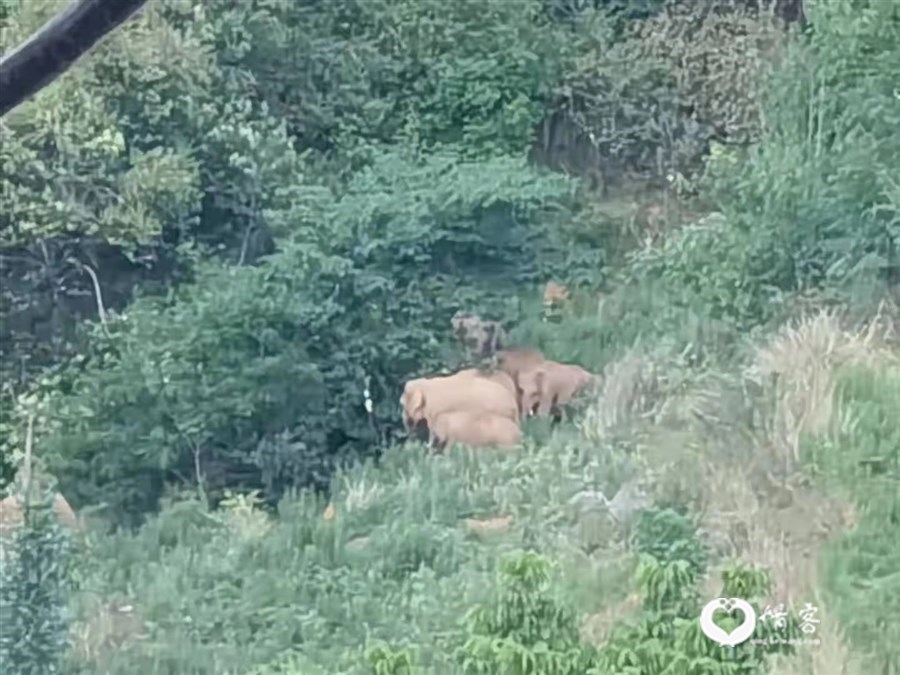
<point x="713" y="267"/>
<point x="253" y="377"/>
<point x="35" y="585"/>
<point x="669" y="536"/>
<point x="349" y="74"/>
<point x="812" y="206"/>
<point x="525" y="629"/>
<point x="815" y="200"/>
<point x="667" y="636"/>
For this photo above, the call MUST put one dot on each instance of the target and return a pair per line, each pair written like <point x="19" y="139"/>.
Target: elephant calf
<point x="514" y="362"/>
<point x="547" y="388"/>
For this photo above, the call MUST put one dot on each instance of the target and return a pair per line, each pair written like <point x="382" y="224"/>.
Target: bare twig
<point x="26" y="468"/>
<point x="97" y="291"/>
<point x="246" y="243"/>
<point x="199" y="474"/>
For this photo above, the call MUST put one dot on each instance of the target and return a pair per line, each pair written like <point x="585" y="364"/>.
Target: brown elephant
<point x="481" y="338"/>
<point x="475" y="429"/>
<point x="513" y="362"/>
<point x="501" y="378"/>
<point x="547" y="388"/>
<point x="425" y="398"/>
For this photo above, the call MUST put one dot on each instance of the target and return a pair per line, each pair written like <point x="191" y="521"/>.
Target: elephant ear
<point x="416" y="401"/>
<point x="530" y="385"/>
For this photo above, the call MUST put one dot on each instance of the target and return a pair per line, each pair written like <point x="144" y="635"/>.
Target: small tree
<point x="667" y="638"/>
<point x="525" y="629"/>
<point x="34" y="586"/>
<point x="384" y="659"/>
<point x="34" y="583"/>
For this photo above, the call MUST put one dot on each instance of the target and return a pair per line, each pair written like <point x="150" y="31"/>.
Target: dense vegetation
<point x="230" y="224"/>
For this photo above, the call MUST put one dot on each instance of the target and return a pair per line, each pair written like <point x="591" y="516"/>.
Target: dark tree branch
<point x="57" y="45"/>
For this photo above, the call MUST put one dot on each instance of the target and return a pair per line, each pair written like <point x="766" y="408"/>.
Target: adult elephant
<point x="475" y="429"/>
<point x="547" y="388"/>
<point x="516" y="361"/>
<point x="424" y="399"/>
<point x="505" y="380"/>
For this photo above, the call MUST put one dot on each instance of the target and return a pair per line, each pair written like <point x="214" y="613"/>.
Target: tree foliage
<point x="232" y="223"/>
<point x="35" y="584"/>
<point x="525" y="629"/>
<point x="254" y="376"/>
<point x="667" y="636"/>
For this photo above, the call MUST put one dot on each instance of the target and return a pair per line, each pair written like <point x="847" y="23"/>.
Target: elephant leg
<point x="549" y="405"/>
<point x="556" y="411"/>
<point x="436" y="444"/>
<point x="545" y="407"/>
<point x="420" y="432"/>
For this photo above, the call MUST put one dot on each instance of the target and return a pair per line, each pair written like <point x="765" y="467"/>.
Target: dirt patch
<point x="488" y="526"/>
<point x="358" y="543"/>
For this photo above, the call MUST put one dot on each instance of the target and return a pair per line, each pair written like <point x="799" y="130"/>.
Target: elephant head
<point x="532" y="392"/>
<point x="413" y="403"/>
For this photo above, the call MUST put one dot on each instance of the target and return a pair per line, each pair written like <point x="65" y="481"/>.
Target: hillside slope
<point x="405" y="549"/>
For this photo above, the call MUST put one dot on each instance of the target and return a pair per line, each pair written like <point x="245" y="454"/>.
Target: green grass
<point x="861" y="460"/>
<point x="218" y="601"/>
<point x="231" y="591"/>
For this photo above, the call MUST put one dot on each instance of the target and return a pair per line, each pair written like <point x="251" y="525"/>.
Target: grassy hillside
<point x="404" y="550"/>
<point x="232" y="224"/>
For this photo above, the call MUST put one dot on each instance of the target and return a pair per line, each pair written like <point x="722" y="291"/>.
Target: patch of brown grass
<point x="729" y="448"/>
<point x="832" y="657"/>
<point x="488" y="526"/>
<point x="797" y="368"/>
<point x="111" y="626"/>
<point x="629" y="388"/>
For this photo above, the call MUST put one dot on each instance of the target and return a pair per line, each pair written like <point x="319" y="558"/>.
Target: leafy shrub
<point x="645" y="97"/>
<point x="669" y="536"/>
<point x="377" y="72"/>
<point x="667" y="636"/>
<point x="813" y="200"/>
<point x="725" y="273"/>
<point x="35" y="582"/>
<point x="253" y="376"/>
<point x="120" y="174"/>
<point x="525" y="629"/>
<point x="384" y="660"/>
<point x="810" y="205"/>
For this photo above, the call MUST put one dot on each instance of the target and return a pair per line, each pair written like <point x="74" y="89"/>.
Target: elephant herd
<point x="485" y="408"/>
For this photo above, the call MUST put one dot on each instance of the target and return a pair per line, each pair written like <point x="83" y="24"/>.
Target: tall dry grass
<point x="731" y="446"/>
